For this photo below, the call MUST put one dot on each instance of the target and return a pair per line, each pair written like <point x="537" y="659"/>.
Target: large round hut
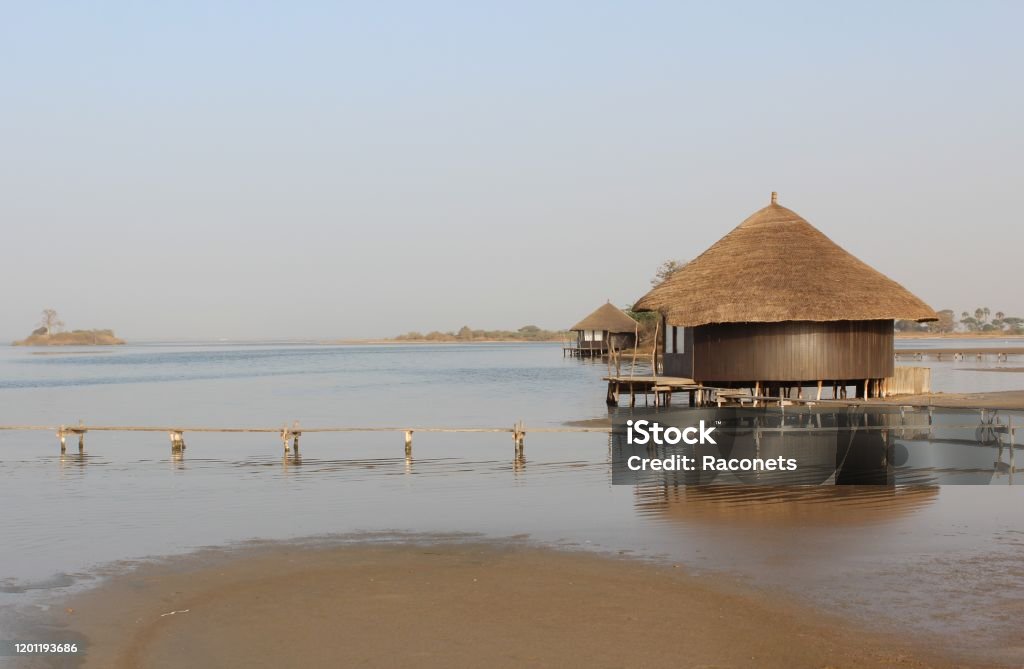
<point x="607" y="327"/>
<point x="775" y="304"/>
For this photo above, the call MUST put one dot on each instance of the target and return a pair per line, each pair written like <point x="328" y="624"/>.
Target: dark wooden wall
<point x="792" y="351"/>
<point x="679" y="362"/>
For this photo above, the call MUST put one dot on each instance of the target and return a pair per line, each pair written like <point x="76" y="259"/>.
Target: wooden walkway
<point x="289" y="435"/>
<point x="1001" y="353"/>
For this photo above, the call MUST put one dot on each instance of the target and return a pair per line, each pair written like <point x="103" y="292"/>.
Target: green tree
<point x="945" y="324"/>
<point x="666" y="270"/>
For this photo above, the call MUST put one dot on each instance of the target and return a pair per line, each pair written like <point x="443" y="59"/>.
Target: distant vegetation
<point x="982" y="321"/>
<point x="49" y="333"/>
<point x="465" y="333"/>
<point x="667" y="269"/>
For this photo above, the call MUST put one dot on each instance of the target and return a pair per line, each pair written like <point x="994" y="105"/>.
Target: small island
<point x="50" y="333"/>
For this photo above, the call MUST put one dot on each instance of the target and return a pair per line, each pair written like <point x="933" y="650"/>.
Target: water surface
<point x="930" y="559"/>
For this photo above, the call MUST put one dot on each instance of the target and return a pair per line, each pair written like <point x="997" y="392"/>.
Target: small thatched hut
<point x="607" y="327"/>
<point x="776" y="304"/>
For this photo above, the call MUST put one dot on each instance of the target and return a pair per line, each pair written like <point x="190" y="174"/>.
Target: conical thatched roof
<point x="609" y="318"/>
<point x="775" y="266"/>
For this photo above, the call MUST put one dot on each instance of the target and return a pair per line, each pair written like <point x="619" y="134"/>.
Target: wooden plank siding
<point x="788" y="351"/>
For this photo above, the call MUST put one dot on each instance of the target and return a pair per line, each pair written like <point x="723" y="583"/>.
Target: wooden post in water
<point x="63" y="439"/>
<point x="284" y="438"/>
<point x="1013" y="444"/>
<point x="636" y="345"/>
<point x="177" y="441"/>
<point x="654" y="352"/>
<point x="408" y="443"/>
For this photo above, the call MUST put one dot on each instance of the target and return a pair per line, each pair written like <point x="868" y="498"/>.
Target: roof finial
<point x="775" y="197"/>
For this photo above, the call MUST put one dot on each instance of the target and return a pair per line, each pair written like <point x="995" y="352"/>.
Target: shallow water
<point x="943" y="559"/>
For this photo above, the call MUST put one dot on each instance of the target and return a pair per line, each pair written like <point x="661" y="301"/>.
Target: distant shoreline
<point x="380" y="342"/>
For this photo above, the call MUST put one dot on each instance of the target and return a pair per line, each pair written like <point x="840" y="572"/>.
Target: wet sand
<point x="455" y="604"/>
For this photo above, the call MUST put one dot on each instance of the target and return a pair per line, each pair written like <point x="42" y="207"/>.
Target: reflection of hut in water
<point x="768" y="447"/>
<point x="794" y="506"/>
<point x="774" y="305"/>
<point x="607" y="328"/>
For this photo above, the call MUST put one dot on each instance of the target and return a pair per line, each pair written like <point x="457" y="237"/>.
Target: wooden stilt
<point x="408" y="443"/>
<point x="62" y="435"/>
<point x="1013" y="446"/>
<point x="654" y="352"/>
<point x="81" y="441"/>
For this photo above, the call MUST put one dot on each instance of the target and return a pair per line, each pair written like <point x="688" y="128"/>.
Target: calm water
<point x="944" y="559"/>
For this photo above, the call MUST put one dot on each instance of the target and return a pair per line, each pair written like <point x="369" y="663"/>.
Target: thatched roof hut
<point x="607" y="318"/>
<point x="606" y="328"/>
<point x="775" y="303"/>
<point x="773" y="267"/>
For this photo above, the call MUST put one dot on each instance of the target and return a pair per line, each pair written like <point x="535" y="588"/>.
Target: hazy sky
<point x="307" y="169"/>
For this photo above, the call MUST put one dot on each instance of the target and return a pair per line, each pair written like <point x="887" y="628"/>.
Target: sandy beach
<point x="455" y="604"/>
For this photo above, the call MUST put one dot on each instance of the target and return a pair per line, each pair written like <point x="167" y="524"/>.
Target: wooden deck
<point x="584" y="351"/>
<point x="661" y="387"/>
<point x="1000" y="353"/>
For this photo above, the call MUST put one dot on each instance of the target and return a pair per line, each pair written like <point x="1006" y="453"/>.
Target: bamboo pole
<point x="1013" y="444"/>
<point x="636" y="345"/>
<point x="654" y="352"/>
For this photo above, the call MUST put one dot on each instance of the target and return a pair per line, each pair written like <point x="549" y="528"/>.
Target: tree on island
<point x="51" y="321"/>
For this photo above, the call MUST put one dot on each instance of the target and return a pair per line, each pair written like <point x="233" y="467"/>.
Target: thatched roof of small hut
<point x="608" y="318"/>
<point x="775" y="266"/>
